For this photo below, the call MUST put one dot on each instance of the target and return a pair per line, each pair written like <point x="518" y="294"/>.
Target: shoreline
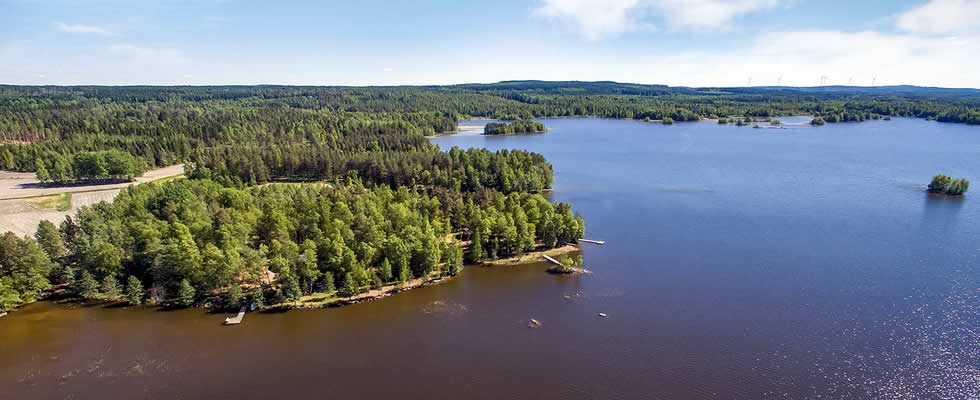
<point x="325" y="300"/>
<point x="330" y="300"/>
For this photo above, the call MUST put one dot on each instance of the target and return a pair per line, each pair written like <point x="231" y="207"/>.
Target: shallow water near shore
<point x="742" y="263"/>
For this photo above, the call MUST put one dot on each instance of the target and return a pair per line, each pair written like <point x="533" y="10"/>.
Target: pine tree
<point x="475" y="253"/>
<point x="234" y="296"/>
<point x="61" y="171"/>
<point x="88" y="287"/>
<point x="405" y="274"/>
<point x="41" y="171"/>
<point x="185" y="294"/>
<point x="327" y="285"/>
<point x="110" y="288"/>
<point x="385" y="270"/>
<point x="290" y="287"/>
<point x="49" y="238"/>
<point x="348" y="288"/>
<point x="9" y="298"/>
<point x="454" y="259"/>
<point x="67" y="276"/>
<point x="134" y="291"/>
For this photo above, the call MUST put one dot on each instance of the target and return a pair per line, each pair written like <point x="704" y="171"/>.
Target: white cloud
<point x="594" y="18"/>
<point x="83" y="29"/>
<point x="709" y="14"/>
<point x="599" y="18"/>
<point x="942" y="17"/>
<point x="802" y="57"/>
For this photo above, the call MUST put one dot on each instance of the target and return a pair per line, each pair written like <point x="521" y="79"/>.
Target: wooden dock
<point x="573" y="269"/>
<point x="598" y="242"/>
<point x="554" y="261"/>
<point x="236" y="319"/>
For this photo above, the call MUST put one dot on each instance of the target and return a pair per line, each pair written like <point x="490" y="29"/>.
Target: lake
<point x="804" y="262"/>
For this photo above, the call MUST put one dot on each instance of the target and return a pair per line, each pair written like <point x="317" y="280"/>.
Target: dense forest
<point x="377" y="202"/>
<point x="195" y="240"/>
<point x="508" y="128"/>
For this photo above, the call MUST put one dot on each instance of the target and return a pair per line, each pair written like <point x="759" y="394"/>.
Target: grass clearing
<point x="60" y="202"/>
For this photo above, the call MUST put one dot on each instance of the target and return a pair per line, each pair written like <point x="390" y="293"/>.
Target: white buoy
<point x="603" y="315"/>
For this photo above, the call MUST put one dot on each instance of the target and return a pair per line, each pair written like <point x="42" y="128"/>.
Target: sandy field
<point x="24" y="203"/>
<point x="16" y="185"/>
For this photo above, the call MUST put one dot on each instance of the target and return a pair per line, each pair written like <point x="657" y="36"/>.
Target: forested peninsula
<point x="333" y="190"/>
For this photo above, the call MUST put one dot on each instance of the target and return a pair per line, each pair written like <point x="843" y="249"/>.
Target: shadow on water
<point x="941" y="209"/>
<point x="275" y="310"/>
<point x="170" y="308"/>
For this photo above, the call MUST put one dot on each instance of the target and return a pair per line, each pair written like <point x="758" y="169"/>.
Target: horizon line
<point x="421" y="85"/>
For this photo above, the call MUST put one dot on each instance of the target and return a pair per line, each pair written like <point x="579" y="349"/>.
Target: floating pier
<point x="236" y="319"/>
<point x="598" y="242"/>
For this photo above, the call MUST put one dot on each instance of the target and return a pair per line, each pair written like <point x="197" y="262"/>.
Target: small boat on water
<point x="603" y="315"/>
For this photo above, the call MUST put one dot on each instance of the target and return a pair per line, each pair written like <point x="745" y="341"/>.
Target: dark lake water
<point x="741" y="264"/>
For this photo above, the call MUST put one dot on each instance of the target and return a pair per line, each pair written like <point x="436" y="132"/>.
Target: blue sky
<point x="371" y="42"/>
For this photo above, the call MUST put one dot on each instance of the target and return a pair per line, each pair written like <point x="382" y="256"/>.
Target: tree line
<point x="89" y="166"/>
<point x="467" y="170"/>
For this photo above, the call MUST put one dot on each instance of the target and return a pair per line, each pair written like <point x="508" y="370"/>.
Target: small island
<point x="519" y="126"/>
<point x="946" y="185"/>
